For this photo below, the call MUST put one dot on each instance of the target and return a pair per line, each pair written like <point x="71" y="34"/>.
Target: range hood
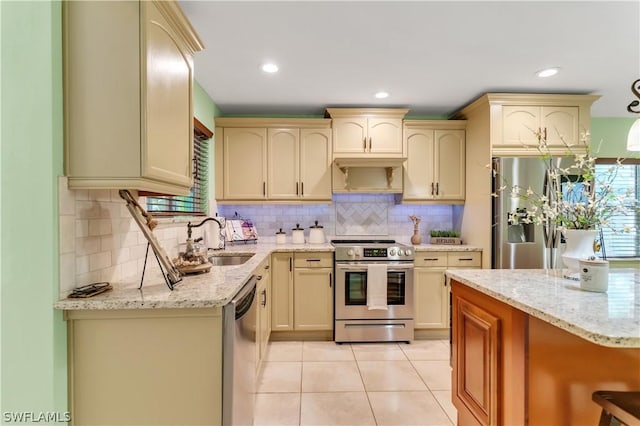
<point x="367" y="174"/>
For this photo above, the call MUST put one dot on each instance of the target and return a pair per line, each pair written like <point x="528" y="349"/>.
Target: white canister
<point x="594" y="275"/>
<point x="297" y="235"/>
<point x="281" y="237"/>
<point x="316" y="234"/>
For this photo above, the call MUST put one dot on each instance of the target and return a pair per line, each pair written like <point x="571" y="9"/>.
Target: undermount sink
<point x="236" y="259"/>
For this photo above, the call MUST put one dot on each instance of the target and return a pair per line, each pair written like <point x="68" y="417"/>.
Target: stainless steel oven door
<point x="351" y="291"/>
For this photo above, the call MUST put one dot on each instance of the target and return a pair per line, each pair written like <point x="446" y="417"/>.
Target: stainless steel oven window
<point x="355" y="288"/>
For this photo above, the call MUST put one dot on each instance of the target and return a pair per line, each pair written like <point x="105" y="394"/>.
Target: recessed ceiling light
<point x="382" y="95"/>
<point x="270" y="68"/>
<point x="548" y="72"/>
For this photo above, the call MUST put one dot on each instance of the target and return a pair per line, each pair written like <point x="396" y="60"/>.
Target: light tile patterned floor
<point x="323" y="383"/>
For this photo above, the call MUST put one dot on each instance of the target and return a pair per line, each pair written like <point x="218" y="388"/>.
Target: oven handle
<point x="361" y="267"/>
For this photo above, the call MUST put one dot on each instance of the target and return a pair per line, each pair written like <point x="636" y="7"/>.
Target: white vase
<point x="579" y="246"/>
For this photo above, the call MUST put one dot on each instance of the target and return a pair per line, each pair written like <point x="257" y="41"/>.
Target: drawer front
<point x="313" y="260"/>
<point x="430" y="258"/>
<point x="465" y="259"/>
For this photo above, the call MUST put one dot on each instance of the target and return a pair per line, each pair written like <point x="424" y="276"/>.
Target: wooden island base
<point x="564" y="370"/>
<point x="511" y="368"/>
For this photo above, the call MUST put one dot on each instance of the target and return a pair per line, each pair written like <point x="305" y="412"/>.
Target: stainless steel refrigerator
<point x="521" y="246"/>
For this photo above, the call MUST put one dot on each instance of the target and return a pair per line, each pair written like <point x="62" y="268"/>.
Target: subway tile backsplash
<point x="100" y="241"/>
<point x="349" y="215"/>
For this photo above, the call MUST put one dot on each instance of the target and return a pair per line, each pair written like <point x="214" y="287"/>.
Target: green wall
<point x="610" y="136"/>
<point x="33" y="336"/>
<point x="204" y="108"/>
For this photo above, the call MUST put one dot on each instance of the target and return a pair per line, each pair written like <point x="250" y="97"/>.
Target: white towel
<point x="377" y="287"/>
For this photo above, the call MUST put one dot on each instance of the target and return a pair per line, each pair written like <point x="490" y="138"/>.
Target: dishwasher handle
<point x="245" y="297"/>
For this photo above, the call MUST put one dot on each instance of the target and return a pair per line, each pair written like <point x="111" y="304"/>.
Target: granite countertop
<point x="446" y="247"/>
<point x="608" y="319"/>
<point x="211" y="289"/>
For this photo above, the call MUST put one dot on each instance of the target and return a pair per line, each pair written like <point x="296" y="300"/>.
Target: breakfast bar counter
<point x="530" y="347"/>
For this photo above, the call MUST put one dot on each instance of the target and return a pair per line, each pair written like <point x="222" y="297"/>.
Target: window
<point x="196" y="203"/>
<point x="623" y="244"/>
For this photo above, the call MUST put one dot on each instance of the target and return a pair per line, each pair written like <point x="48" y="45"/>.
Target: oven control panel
<point x="368" y="253"/>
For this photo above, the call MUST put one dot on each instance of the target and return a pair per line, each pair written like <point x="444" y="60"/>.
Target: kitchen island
<point x="530" y="347"/>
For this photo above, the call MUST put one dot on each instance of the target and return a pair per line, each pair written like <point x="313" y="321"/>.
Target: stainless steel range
<point x="373" y="291"/>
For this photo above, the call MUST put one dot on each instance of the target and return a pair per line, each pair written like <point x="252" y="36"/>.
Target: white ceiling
<point x="432" y="57"/>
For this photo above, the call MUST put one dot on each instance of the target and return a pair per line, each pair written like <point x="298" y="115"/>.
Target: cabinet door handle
<point x="432" y="188"/>
<point x="369" y="143"/>
<point x="264" y="298"/>
<point x="259" y="277"/>
<point x="364" y="143"/>
<point x="301" y="188"/>
<point x="313" y="260"/>
<point x="290" y="264"/>
<point x="437" y="188"/>
<point x="545" y="133"/>
<point x="430" y="259"/>
<point x="266" y="267"/>
<point x="330" y="279"/>
<point x="296" y="188"/>
<point x="465" y="258"/>
<point x="264" y="188"/>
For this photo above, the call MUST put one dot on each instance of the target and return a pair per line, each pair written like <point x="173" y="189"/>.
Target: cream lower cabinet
<point x="282" y="291"/>
<point x="367" y="132"/>
<point x="435" y="166"/>
<point x="261" y="159"/>
<point x="302" y="295"/>
<point x="431" y="290"/>
<point x="313" y="291"/>
<point x="145" y="366"/>
<point x="263" y="321"/>
<point x="128" y="120"/>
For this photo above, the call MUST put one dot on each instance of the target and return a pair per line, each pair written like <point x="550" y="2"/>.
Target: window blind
<point x="196" y="203"/>
<point x="619" y="244"/>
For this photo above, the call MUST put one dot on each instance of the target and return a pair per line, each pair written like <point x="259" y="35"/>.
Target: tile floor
<point x="322" y="383"/>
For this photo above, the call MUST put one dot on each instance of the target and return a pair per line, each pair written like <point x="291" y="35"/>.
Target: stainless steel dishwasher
<point x="239" y="357"/>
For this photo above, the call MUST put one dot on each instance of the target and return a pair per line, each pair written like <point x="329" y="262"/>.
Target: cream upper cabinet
<point x="128" y="120"/>
<point x="283" y="151"/>
<point x="315" y="164"/>
<point x="525" y="124"/>
<point x="435" y="165"/>
<point x="367" y="132"/>
<point x="245" y="163"/>
<point x="299" y="164"/>
<point x="288" y="159"/>
<point x="514" y="122"/>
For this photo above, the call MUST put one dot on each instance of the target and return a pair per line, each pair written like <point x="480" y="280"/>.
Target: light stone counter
<point x="446" y="247"/>
<point x="607" y="319"/>
<point x="214" y="288"/>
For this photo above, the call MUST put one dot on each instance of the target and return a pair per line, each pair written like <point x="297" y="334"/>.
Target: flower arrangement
<point x="576" y="197"/>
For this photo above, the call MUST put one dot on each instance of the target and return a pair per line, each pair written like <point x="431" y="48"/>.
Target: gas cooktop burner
<point x="372" y="241"/>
